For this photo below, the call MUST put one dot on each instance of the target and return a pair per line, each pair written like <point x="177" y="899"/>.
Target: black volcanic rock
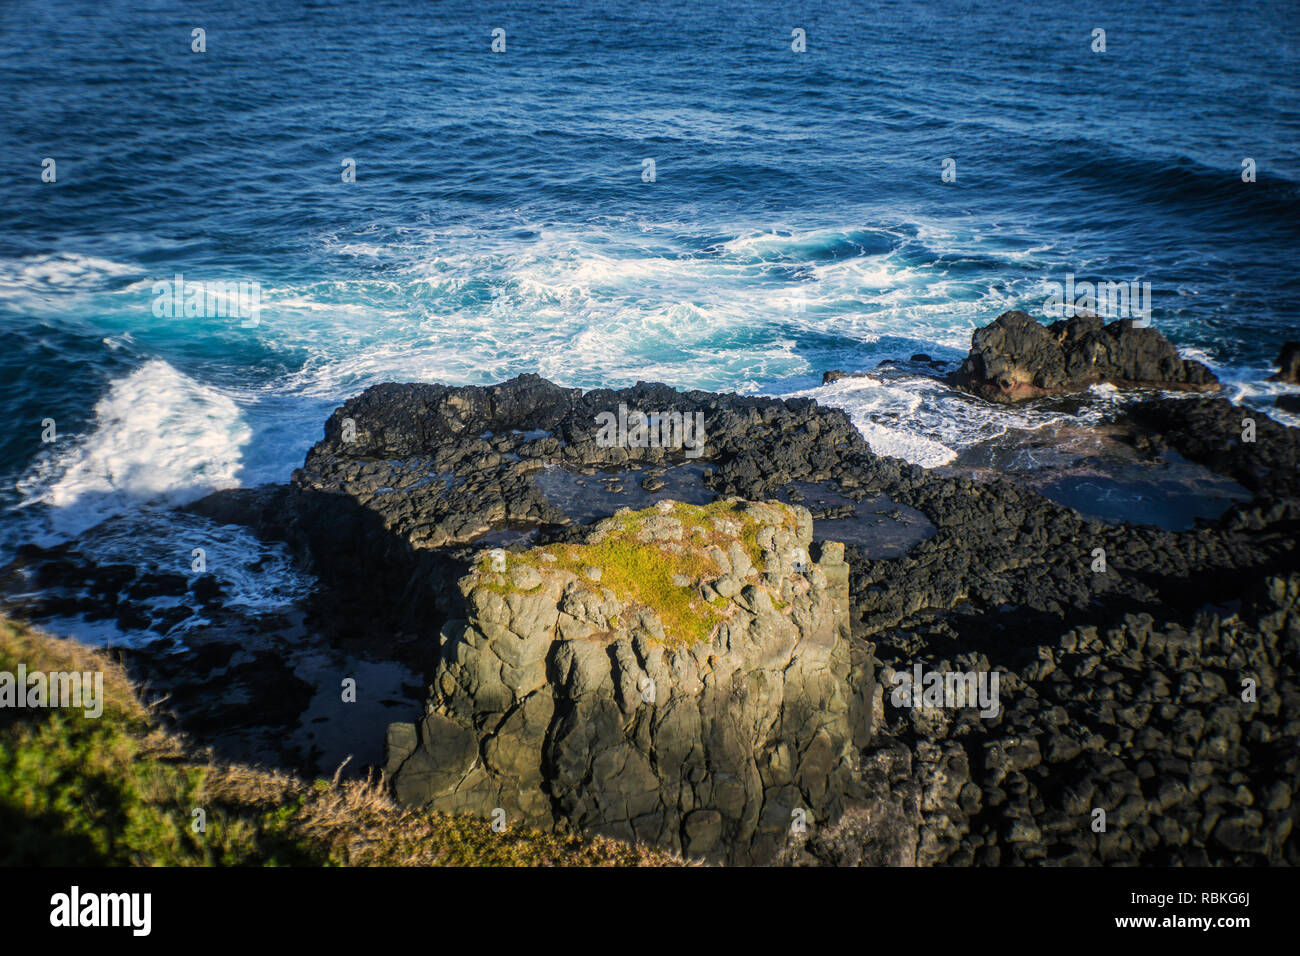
<point x="1097" y="666"/>
<point x="1264" y="457"/>
<point x="1182" y="732"/>
<point x="1288" y="363"/>
<point x="377" y="526"/>
<point x="1015" y="358"/>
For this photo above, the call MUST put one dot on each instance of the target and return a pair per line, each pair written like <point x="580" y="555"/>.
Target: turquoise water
<point x="499" y="222"/>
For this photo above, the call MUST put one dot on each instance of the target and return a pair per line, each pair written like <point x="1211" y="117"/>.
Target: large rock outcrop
<point x="391" y="516"/>
<point x="1288" y="363"/>
<point x="1016" y="358"/>
<point x="684" y="677"/>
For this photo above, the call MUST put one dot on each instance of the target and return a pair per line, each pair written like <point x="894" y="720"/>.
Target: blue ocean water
<point x="500" y="222"/>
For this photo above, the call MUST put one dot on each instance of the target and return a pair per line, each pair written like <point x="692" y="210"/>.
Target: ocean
<point x="663" y="192"/>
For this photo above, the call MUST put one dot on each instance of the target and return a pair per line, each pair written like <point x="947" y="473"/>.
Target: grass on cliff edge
<point x="120" y="790"/>
<point x="641" y="573"/>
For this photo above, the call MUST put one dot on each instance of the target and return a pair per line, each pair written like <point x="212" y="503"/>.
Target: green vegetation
<point x="121" y="790"/>
<point x="641" y="573"/>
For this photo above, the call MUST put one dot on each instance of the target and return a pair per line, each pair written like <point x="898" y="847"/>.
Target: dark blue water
<point x="499" y="221"/>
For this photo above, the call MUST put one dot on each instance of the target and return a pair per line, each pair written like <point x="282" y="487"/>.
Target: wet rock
<point x="1288" y="363"/>
<point x="1016" y="358"/>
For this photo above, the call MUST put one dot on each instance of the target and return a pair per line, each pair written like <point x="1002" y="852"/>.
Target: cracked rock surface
<point x="563" y="699"/>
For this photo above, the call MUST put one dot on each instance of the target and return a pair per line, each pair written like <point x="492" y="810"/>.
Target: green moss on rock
<point x="662" y="558"/>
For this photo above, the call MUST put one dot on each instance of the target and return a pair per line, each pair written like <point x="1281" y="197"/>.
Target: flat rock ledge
<point x="1016" y="358"/>
<point x="683" y="677"/>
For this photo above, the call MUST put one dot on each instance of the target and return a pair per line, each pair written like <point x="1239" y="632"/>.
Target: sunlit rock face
<point x="682" y="677"/>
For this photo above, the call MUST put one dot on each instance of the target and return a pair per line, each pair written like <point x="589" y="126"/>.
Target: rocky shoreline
<point x="1145" y="672"/>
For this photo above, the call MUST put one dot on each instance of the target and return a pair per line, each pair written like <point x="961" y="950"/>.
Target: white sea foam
<point x="919" y="419"/>
<point x="158" y="437"/>
<point x="1261" y="394"/>
<point x="583" y="304"/>
<point x="254" y="576"/>
<point x="607" y="302"/>
<point x="44" y="281"/>
<point x="610" y="303"/>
